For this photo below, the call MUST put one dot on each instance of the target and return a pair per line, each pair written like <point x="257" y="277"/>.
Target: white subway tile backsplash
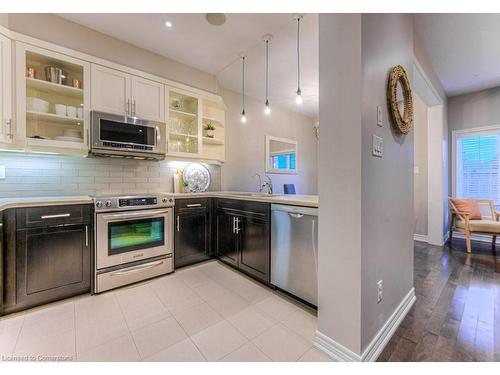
<point x="48" y="175"/>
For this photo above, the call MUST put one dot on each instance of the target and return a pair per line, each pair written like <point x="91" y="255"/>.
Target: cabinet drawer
<point x="52" y="215"/>
<point x="191" y="203"/>
<point x="242" y="207"/>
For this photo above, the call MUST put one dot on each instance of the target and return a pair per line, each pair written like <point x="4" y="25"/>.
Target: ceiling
<point x="464" y="49"/>
<point x="215" y="49"/>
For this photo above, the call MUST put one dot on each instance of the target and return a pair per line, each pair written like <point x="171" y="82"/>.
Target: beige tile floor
<point x="207" y="312"/>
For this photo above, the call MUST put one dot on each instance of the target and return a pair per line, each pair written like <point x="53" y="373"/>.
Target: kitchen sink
<point x="254" y="194"/>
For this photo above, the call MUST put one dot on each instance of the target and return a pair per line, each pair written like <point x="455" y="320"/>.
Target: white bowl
<point x="60" y="109"/>
<point x="37" y="105"/>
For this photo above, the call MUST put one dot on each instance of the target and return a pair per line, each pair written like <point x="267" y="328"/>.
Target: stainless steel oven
<point x="133" y="239"/>
<point x="114" y="135"/>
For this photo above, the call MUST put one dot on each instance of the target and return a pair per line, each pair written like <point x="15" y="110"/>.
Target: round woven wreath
<point x="402" y="122"/>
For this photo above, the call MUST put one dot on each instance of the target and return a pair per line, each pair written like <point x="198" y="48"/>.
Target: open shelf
<point x="54" y="143"/>
<point x="53" y="88"/>
<point x="51" y="117"/>
<point x="214" y="120"/>
<point x="180" y="135"/>
<point x="213" y="141"/>
<point x="183" y="113"/>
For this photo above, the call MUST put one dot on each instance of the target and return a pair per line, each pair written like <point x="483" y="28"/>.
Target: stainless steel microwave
<point x="129" y="137"/>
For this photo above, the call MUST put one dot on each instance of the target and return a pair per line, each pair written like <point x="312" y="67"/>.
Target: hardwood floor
<point x="457" y="313"/>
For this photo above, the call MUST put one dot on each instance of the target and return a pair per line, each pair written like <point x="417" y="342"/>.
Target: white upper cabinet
<point x="6" y="125"/>
<point x="148" y="99"/>
<point x="110" y="90"/>
<point x="52" y="110"/>
<point x="117" y="92"/>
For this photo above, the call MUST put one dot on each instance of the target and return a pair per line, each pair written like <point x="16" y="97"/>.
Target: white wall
<point x="366" y="211"/>
<point x="420" y="124"/>
<point x="245" y="146"/>
<point x="339" y="237"/>
<point x="29" y="175"/>
<point x="387" y="188"/>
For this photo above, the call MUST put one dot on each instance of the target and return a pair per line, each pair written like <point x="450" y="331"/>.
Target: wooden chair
<point x="488" y="225"/>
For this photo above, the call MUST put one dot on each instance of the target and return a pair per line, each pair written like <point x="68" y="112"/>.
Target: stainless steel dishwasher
<point x="294" y="253"/>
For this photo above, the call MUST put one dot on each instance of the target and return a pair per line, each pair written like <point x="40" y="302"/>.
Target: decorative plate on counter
<point x="197" y="177"/>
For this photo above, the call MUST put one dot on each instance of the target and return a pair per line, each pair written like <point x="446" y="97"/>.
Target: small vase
<point x="209" y="133"/>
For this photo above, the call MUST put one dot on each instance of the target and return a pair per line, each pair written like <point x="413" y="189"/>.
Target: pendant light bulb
<point x="298" y="98"/>
<point x="267" y="109"/>
<point x="243" y="117"/>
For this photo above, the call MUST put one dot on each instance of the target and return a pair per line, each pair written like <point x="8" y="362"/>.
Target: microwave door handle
<point x="157" y="136"/>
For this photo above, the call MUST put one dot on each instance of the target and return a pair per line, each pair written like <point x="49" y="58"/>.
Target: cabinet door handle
<point x="234" y="224"/>
<point x="55" y="216"/>
<point x="133" y="108"/>
<point x="127" y="109"/>
<point x="178" y="224"/>
<point x="10" y="134"/>
<point x="237" y="225"/>
<point x="194" y="205"/>
<point x="86" y="235"/>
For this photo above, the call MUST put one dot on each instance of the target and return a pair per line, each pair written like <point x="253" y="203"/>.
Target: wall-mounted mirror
<point x="281" y="155"/>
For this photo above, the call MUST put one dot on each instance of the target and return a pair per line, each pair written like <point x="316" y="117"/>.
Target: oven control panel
<point x="145" y="201"/>
<point x="135" y="202"/>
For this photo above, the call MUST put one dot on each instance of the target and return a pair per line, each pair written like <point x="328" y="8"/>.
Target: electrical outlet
<point x="380" y="290"/>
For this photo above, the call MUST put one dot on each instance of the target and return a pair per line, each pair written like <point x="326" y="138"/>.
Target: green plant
<point x="185" y="183"/>
<point x="209" y="126"/>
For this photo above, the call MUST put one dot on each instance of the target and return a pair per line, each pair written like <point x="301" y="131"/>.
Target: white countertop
<point x="43" y="201"/>
<point x="294" y="200"/>
<point x="290" y="199"/>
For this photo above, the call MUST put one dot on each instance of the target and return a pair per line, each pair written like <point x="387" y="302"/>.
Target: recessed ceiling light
<point x="168" y="24"/>
<point x="216" y="19"/>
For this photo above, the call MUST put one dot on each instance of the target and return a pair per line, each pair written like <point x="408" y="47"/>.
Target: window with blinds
<point x="477" y="167"/>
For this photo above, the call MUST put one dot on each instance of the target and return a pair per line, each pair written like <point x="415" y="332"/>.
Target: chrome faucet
<point x="260" y="182"/>
<point x="268" y="185"/>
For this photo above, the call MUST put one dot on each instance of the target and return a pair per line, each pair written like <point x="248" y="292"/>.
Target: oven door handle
<point x="134" y="215"/>
<point x="135" y="269"/>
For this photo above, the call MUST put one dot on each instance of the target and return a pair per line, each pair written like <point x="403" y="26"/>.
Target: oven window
<point x="137" y="234"/>
<point x="113" y="131"/>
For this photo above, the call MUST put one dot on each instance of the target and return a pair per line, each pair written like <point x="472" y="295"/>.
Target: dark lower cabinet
<point x="52" y="263"/>
<point x="49" y="258"/>
<point x="254" y="247"/>
<point x="243" y="236"/>
<point x="192" y="231"/>
<point x="226" y="238"/>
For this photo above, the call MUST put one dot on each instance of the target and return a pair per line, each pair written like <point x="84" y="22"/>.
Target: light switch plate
<point x="2" y="172"/>
<point x="378" y="146"/>
<point x="380" y="121"/>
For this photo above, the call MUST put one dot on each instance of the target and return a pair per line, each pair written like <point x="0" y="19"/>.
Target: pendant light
<point x="243" y="115"/>
<point x="298" y="97"/>
<point x="267" y="38"/>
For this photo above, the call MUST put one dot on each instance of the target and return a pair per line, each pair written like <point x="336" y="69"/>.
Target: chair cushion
<point x="468" y="206"/>
<point x="486" y="226"/>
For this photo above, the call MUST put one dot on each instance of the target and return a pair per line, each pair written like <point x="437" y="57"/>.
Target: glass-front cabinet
<point x="184" y="123"/>
<point x="53" y="98"/>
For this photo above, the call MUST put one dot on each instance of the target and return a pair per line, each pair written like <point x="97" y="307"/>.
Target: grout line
<point x="74" y="325"/>
<point x="18" y="335"/>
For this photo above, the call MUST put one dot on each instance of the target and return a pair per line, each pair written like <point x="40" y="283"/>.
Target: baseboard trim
<point x="340" y="353"/>
<point x="420" y="238"/>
